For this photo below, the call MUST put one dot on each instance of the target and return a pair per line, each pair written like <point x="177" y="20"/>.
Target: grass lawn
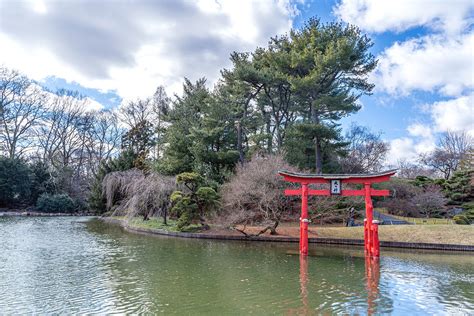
<point x="441" y="234"/>
<point x="157" y="223"/>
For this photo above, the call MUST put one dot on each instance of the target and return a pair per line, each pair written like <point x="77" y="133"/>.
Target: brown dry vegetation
<point x="254" y="194"/>
<point x="442" y="234"/>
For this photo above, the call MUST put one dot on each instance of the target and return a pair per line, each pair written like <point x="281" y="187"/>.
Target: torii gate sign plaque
<point x="336" y="187"/>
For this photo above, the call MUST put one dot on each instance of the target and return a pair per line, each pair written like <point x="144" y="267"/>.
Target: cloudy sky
<point x="122" y="49"/>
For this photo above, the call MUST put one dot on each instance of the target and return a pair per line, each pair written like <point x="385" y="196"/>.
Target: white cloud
<point x="408" y="149"/>
<point x="92" y="105"/>
<point x="401" y="149"/>
<point x="379" y="16"/>
<point x="133" y="48"/>
<point x="441" y="62"/>
<point x="454" y="115"/>
<point x="420" y="130"/>
<point x="431" y="63"/>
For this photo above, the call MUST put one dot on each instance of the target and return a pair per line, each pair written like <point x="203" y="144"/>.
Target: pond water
<point x="80" y="265"/>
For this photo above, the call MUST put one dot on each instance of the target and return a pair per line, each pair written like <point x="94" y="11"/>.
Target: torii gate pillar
<point x="304" y="220"/>
<point x="336" y="182"/>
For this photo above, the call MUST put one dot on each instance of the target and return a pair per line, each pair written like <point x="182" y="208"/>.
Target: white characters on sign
<point x="335" y="186"/>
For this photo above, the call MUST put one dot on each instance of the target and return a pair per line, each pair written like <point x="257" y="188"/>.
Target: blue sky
<point x="114" y="52"/>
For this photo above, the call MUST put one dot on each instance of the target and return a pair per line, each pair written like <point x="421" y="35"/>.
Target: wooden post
<point x="375" y="239"/>
<point x="368" y="238"/>
<point x="304" y="220"/>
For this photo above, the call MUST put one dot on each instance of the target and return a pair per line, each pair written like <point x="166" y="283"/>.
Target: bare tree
<point x="161" y="106"/>
<point x="431" y="202"/>
<point x="136" y="112"/>
<point x="62" y="126"/>
<point x="409" y="170"/>
<point x="254" y="195"/>
<point x="62" y="141"/>
<point x="366" y="151"/>
<point x="21" y="108"/>
<point x="103" y="139"/>
<point x="451" y="149"/>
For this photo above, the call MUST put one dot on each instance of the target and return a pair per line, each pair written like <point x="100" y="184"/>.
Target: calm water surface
<point x="80" y="265"/>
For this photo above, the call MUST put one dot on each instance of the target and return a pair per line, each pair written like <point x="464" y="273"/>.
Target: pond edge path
<point x="318" y="240"/>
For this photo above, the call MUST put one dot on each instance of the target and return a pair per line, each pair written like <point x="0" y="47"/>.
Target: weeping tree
<point x="97" y="196"/>
<point x="130" y="193"/>
<point x="149" y="196"/>
<point x="114" y="188"/>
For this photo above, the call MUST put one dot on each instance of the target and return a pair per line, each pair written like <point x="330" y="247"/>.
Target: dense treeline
<point x="52" y="139"/>
<point x="285" y="99"/>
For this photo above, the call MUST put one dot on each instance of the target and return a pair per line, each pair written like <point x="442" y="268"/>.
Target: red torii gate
<point x="336" y="182"/>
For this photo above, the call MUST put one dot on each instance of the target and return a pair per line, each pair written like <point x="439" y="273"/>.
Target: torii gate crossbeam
<point x="336" y="182"/>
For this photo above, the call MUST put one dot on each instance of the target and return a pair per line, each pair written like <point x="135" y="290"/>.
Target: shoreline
<point x="319" y="240"/>
<point x="41" y="214"/>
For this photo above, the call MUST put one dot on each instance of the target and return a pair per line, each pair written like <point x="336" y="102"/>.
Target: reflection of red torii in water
<point x="336" y="182"/>
<point x="372" y="277"/>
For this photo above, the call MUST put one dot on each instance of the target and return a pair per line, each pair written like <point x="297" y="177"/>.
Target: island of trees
<point x="211" y="155"/>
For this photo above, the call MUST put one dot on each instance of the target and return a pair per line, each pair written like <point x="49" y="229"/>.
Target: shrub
<point x="459" y="187"/>
<point x="431" y="202"/>
<point x="80" y="205"/>
<point x="42" y="181"/>
<point x="194" y="202"/>
<point x="400" y="207"/>
<point x="57" y="203"/>
<point x="415" y="200"/>
<point x="401" y="200"/>
<point x="470" y="215"/>
<point x="334" y="209"/>
<point x="15" y="181"/>
<point x="468" y="206"/>
<point x="461" y="220"/>
<point x="255" y="193"/>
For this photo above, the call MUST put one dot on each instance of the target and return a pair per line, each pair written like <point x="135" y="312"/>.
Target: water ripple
<point x="65" y="266"/>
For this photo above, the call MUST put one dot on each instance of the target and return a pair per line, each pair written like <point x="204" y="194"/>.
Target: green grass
<point x="157" y="223"/>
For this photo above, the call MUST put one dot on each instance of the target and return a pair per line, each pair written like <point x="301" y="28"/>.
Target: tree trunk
<point x="165" y="214"/>
<point x="268" y="132"/>
<point x="318" y="154"/>
<point x="317" y="142"/>
<point x="271" y="228"/>
<point x="204" y="226"/>
<point x="239" y="143"/>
